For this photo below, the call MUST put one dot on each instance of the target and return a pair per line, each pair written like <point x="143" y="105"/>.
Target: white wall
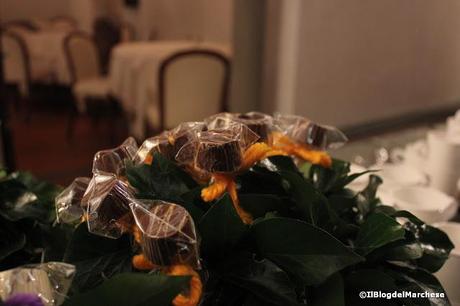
<point x="361" y="60"/>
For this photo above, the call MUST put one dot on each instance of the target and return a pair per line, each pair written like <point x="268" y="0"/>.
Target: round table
<point x="134" y="70"/>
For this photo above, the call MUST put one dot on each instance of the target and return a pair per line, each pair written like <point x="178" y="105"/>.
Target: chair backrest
<point x="193" y="84"/>
<point x="82" y="56"/>
<point x="16" y="61"/>
<point x="106" y="35"/>
<point x="21" y="25"/>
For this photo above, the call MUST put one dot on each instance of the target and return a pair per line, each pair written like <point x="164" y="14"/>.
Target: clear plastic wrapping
<point x="304" y="131"/>
<point x="168" y="235"/>
<point x="50" y="281"/>
<point x="218" y="149"/>
<point x="68" y="202"/>
<point x="107" y="203"/>
<point x="259" y="123"/>
<point x="112" y="160"/>
<point x="170" y="142"/>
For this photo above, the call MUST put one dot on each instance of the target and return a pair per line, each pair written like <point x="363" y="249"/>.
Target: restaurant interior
<point x="81" y="76"/>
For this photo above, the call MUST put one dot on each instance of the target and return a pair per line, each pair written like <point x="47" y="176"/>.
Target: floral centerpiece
<point x="240" y="209"/>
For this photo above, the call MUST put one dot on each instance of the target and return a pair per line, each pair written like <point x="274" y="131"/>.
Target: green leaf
<point x="134" y="289"/>
<point x="162" y="180"/>
<point x="378" y="230"/>
<point x="330" y="179"/>
<point x="305" y="251"/>
<point x="330" y="293"/>
<point x="11" y="239"/>
<point x="23" y="196"/>
<point x="435" y="244"/>
<point x="96" y="258"/>
<point x="413" y="279"/>
<point x="280" y="163"/>
<point x="262" y="278"/>
<point x="258" y="205"/>
<point x="220" y="229"/>
<point x="372" y="279"/>
<point x="310" y="203"/>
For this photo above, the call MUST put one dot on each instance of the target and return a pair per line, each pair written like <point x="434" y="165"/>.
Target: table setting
<point x="216" y="211"/>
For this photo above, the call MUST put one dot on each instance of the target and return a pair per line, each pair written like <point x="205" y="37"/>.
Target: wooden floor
<point x="42" y="147"/>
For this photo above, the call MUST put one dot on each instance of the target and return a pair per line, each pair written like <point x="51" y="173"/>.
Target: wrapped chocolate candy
<point x="259" y="123"/>
<point x="107" y="202"/>
<point x="49" y="281"/>
<point x="170" y="142"/>
<point x="219" y="149"/>
<point x="112" y="160"/>
<point x="302" y="130"/>
<point x="168" y="235"/>
<point x="68" y="202"/>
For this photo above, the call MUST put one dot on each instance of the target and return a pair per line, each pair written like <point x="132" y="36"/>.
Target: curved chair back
<point x="193" y="84"/>
<point x="16" y="64"/>
<point x="64" y="23"/>
<point x="82" y="57"/>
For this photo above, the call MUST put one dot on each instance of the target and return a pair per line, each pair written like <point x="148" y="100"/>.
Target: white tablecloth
<point x="47" y="58"/>
<point x="133" y="74"/>
<point x="48" y="61"/>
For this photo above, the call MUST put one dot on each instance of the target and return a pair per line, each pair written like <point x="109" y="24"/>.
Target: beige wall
<point x="361" y="60"/>
<point x="179" y="19"/>
<point x="23" y="9"/>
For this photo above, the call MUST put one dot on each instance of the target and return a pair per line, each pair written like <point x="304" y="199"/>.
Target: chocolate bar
<point x="218" y="153"/>
<point x="107" y="200"/>
<point x="168" y="234"/>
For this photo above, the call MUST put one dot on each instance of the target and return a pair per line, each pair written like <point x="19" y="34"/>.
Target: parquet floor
<point x="42" y="147"/>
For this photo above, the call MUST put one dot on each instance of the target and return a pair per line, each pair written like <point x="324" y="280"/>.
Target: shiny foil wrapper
<point x="168" y="235"/>
<point x="107" y="203"/>
<point x="112" y="161"/>
<point x="50" y="281"/>
<point x="68" y="202"/>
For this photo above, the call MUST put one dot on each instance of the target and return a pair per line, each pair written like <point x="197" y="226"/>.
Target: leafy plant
<point x="27" y="217"/>
<point x="312" y="236"/>
<point x="313" y="241"/>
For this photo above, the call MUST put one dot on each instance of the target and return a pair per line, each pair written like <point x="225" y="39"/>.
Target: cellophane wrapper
<point x="304" y="131"/>
<point x="219" y="149"/>
<point x="112" y="161"/>
<point x="168" y="234"/>
<point x="50" y="281"/>
<point x="107" y="201"/>
<point x="259" y="123"/>
<point x="68" y="202"/>
<point x="169" y="142"/>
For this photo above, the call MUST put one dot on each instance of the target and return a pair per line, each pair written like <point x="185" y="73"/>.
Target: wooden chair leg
<point x="73" y="113"/>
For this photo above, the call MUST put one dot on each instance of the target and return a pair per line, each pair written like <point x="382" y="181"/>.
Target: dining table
<point x="134" y="75"/>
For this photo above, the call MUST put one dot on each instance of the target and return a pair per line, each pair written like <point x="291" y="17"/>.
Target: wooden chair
<point x="193" y="84"/>
<point x="16" y="67"/>
<point x="89" y="87"/>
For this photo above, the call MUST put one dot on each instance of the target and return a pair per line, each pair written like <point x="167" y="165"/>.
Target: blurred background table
<point x="134" y="71"/>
